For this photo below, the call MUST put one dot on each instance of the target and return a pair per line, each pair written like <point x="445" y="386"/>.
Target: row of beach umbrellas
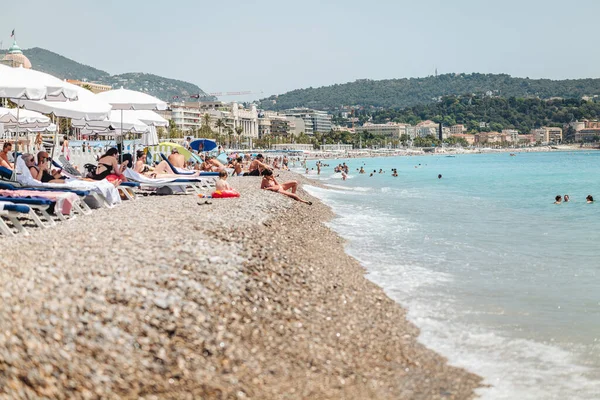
<point x="113" y="112"/>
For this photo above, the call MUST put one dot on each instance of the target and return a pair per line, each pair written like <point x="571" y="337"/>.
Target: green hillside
<point x="63" y="67"/>
<point x="399" y="93"/>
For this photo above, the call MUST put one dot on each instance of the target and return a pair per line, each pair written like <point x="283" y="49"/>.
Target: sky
<point x="270" y="47"/>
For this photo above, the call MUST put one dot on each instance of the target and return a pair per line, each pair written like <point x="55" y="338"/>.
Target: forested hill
<point x="496" y="112"/>
<point x="65" y="68"/>
<point x="399" y="93"/>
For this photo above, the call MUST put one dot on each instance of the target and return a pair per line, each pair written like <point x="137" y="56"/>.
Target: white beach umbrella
<point x="22" y="84"/>
<point x="150" y="137"/>
<point x="125" y="99"/>
<point x="12" y="115"/>
<point x="114" y="124"/>
<point x="148" y="117"/>
<point x="88" y="106"/>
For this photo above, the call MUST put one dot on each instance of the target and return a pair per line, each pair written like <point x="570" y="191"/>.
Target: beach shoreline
<point x="174" y="297"/>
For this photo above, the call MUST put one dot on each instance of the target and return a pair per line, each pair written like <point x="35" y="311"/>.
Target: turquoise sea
<point x="499" y="279"/>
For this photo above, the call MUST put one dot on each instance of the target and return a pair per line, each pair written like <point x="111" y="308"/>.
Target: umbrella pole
<point x="120" y="141"/>
<point x="14" y="173"/>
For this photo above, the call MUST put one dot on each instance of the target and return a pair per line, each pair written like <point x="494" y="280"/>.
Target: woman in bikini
<point x="108" y="167"/>
<point x="269" y="183"/>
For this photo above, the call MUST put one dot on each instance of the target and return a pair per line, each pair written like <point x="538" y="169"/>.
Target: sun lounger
<point x="38" y="204"/>
<point x="11" y="212"/>
<point x="65" y="202"/>
<point x="104" y="191"/>
<point x="80" y="206"/>
<point x="125" y="188"/>
<point x="179" y="171"/>
<point x="196" y="184"/>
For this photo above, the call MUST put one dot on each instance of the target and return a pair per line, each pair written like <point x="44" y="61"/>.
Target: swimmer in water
<point x="566" y="198"/>
<point x="439" y="176"/>
<point x="589" y="199"/>
<point x="362" y="170"/>
<point x="371" y="175"/>
<point x="557" y="200"/>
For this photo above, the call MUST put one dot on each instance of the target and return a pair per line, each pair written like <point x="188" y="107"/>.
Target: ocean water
<point x="499" y="279"/>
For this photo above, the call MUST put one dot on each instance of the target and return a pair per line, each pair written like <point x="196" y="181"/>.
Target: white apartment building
<point x="190" y="116"/>
<point x="314" y="120"/>
<point x="547" y="134"/>
<point x="336" y="147"/>
<point x="391" y="129"/>
<point x="513" y="134"/>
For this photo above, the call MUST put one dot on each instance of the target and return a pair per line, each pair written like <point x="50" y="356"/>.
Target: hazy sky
<point x="276" y="46"/>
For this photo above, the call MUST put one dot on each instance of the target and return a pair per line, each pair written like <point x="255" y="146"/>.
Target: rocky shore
<point x="176" y="298"/>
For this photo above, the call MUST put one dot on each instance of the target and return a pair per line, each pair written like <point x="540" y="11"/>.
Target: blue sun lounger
<point x="179" y="172"/>
<point x="12" y="212"/>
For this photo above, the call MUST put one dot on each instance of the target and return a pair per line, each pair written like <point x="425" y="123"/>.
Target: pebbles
<point x="161" y="298"/>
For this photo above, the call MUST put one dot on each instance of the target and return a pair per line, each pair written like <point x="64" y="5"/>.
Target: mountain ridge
<point x="65" y="68"/>
<point x="408" y="92"/>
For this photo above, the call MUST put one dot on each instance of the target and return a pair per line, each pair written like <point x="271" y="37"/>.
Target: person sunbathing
<point x="6" y="148"/>
<point x="142" y="168"/>
<point x="176" y="159"/>
<point x="215" y="165"/>
<point x="41" y="171"/>
<point x="222" y="183"/>
<point x="237" y="166"/>
<point x="269" y="183"/>
<point x="257" y="166"/>
<point x="108" y="167"/>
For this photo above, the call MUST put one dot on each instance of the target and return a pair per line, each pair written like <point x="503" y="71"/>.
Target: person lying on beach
<point x="6" y="148"/>
<point x="222" y="183"/>
<point x="215" y="165"/>
<point x="257" y="166"/>
<point x="176" y="159"/>
<point x="558" y="199"/>
<point x="269" y="183"/>
<point x="108" y="167"/>
<point x="41" y="171"/>
<point x="152" y="172"/>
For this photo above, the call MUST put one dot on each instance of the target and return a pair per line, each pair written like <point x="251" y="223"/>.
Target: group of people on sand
<point x="565" y="199"/>
<point x="259" y="167"/>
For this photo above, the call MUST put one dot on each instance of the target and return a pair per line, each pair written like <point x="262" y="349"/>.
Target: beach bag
<point x="91" y="169"/>
<point x="164" y="191"/>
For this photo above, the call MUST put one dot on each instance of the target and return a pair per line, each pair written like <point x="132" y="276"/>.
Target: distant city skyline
<point x="269" y="47"/>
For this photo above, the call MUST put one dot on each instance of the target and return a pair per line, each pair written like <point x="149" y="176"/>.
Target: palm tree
<point x="220" y="124"/>
<point x="205" y="128"/>
<point x="229" y="132"/>
<point x="239" y="130"/>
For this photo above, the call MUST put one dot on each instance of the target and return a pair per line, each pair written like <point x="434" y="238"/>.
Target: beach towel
<point x="64" y="200"/>
<point x="102" y="187"/>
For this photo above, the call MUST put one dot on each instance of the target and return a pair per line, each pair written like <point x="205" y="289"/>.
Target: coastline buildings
<point x="189" y="116"/>
<point x="314" y="120"/>
<point x="547" y="134"/>
<point x="586" y="131"/>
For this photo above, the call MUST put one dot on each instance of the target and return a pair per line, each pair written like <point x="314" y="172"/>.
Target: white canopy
<point x="87" y="106"/>
<point x="9" y="115"/>
<point x="124" y="99"/>
<point x="150" y="137"/>
<point x="113" y="125"/>
<point x="21" y="83"/>
<point x="148" y="117"/>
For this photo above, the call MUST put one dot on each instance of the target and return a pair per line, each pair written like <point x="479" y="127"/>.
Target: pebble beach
<point x="179" y="297"/>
